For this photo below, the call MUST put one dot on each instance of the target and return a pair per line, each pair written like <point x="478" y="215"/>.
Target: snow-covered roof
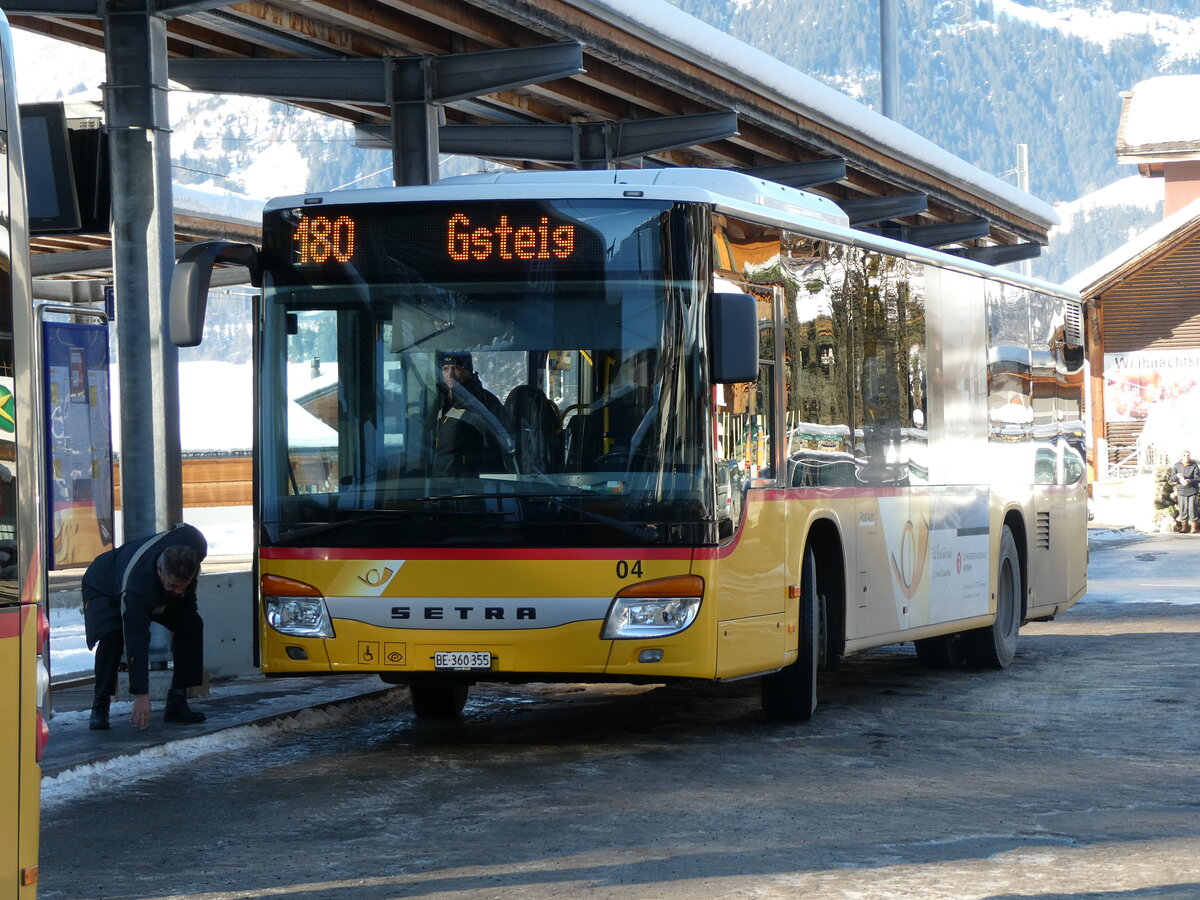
<point x="1160" y="120"/>
<point x="1092" y="279"/>
<point x="665" y="25"/>
<point x="216" y="411"/>
<point x="209" y="202"/>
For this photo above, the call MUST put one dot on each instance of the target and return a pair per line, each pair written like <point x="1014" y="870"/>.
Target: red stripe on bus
<point x="565" y="553"/>
<point x="11" y="621"/>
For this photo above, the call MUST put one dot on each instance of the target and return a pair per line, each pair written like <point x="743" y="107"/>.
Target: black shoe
<point x="178" y="710"/>
<point x="99" y="718"/>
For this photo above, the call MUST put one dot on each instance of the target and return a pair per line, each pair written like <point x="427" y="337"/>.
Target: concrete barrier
<point x="224" y="600"/>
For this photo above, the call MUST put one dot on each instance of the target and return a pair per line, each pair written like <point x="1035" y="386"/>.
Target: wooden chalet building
<point x="1142" y="302"/>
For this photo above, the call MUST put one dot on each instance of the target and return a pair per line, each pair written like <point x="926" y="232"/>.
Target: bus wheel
<point x="437" y="699"/>
<point x="790" y="695"/>
<point x="942" y="652"/>
<point x="993" y="647"/>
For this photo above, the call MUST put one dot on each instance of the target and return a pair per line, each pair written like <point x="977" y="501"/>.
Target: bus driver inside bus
<point x="465" y="443"/>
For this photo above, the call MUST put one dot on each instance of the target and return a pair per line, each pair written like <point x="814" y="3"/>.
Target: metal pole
<point x="1023" y="184"/>
<point x="889" y="58"/>
<point x="143" y="230"/>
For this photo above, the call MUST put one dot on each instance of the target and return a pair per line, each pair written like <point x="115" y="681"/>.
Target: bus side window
<point x="1073" y="465"/>
<point x="1045" y="466"/>
<point x="757" y="439"/>
<point x="820" y="442"/>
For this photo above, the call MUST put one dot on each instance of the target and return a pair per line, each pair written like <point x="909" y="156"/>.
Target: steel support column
<point x="414" y="125"/>
<point x="135" y="100"/>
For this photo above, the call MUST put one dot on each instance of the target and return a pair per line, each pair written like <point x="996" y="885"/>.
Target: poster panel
<point x="1135" y="382"/>
<point x="78" y="442"/>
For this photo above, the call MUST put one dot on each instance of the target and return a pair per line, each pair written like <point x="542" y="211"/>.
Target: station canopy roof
<point x="642" y="60"/>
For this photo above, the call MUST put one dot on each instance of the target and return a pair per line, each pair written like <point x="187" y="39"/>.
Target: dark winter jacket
<point x="144" y="595"/>
<point x="465" y="444"/>
<point x="1187" y="475"/>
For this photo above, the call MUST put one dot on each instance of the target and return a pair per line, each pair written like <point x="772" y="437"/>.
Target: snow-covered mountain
<point x="1102" y="24"/>
<point x="979" y="77"/>
<point x="242" y="145"/>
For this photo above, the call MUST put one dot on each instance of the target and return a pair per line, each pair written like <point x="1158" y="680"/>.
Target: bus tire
<point x="790" y="695"/>
<point x="437" y="699"/>
<point x="942" y="652"/>
<point x="993" y="647"/>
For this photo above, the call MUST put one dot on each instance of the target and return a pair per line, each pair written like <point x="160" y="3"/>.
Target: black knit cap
<point x="462" y="360"/>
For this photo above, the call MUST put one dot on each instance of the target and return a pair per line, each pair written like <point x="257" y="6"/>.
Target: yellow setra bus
<point x="24" y="626"/>
<point x="642" y="426"/>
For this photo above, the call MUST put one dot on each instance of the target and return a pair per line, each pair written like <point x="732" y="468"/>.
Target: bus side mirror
<point x="733" y="332"/>
<point x="189" y="285"/>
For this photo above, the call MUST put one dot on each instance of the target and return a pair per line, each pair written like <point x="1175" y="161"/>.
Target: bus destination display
<point x="445" y="242"/>
<point x="319" y="239"/>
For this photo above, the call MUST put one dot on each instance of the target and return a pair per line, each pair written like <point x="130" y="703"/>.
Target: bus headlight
<point x="652" y="609"/>
<point x="299" y="616"/>
<point x="295" y="607"/>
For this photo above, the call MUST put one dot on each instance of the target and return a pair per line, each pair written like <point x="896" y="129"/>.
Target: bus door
<point x="886" y="547"/>
<point x="887" y="378"/>
<point x="1072" y="472"/>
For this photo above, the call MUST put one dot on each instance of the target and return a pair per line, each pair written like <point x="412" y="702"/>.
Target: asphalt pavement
<point x="256" y="699"/>
<point x="235" y="702"/>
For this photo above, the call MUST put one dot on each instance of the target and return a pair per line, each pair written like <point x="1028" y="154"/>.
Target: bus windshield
<point x="481" y="374"/>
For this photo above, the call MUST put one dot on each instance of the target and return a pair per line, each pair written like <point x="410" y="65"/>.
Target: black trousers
<point x="187" y="651"/>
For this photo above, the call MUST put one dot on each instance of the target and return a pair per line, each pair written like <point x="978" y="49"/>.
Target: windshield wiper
<point x="325" y="527"/>
<point x="643" y="532"/>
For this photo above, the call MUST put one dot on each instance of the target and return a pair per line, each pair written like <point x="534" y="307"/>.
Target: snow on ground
<point x="49" y="70"/>
<point x="1111" y="535"/>
<point x="88" y="780"/>
<point x="69" y="654"/>
<point x="229" y="530"/>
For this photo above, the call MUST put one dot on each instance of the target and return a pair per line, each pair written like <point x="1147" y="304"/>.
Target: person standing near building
<point x="150" y="579"/>
<point x="1187" y="485"/>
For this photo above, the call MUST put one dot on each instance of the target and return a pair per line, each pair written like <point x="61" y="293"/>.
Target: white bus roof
<point x="733" y="192"/>
<point x="717" y="186"/>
